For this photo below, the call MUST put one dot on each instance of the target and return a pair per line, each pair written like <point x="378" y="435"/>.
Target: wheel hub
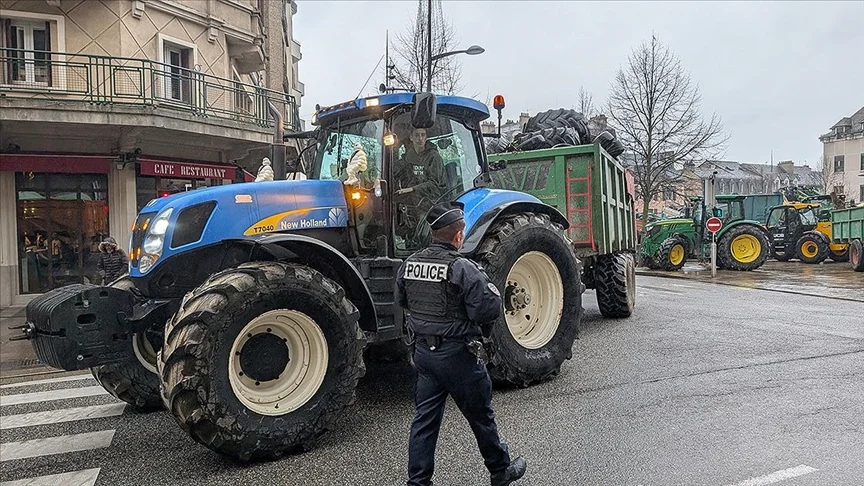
<point x="264" y="356"/>
<point x="517" y="298"/>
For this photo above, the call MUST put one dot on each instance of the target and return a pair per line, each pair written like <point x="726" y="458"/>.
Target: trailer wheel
<point x="531" y="261"/>
<point x="856" y="255"/>
<point x="134" y="380"/>
<point x="261" y="359"/>
<point x="672" y="254"/>
<point x="615" y="280"/>
<point x="743" y="248"/>
<point x="812" y="248"/>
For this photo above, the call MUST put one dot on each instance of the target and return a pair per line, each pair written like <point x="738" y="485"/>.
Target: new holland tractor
<point x="248" y="307"/>
<point x="742" y="244"/>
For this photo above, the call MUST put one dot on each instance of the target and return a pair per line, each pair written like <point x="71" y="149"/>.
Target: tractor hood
<point x="177" y="223"/>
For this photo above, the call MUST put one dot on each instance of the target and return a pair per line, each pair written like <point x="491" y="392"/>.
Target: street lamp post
<point x="471" y="51"/>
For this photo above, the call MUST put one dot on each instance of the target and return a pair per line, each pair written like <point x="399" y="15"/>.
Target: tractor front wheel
<point x="533" y="264"/>
<point x="812" y="248"/>
<point x="615" y="281"/>
<point x="261" y="359"/>
<point x="856" y="255"/>
<point x="743" y="248"/>
<point x="134" y="380"/>
<point x="672" y="254"/>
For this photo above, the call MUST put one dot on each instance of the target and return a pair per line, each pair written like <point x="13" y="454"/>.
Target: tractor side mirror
<point x="425" y="110"/>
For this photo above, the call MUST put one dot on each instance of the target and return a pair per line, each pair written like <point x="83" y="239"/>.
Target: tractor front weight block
<point x="81" y="326"/>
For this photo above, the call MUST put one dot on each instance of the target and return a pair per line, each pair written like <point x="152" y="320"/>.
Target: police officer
<point x="447" y="298"/>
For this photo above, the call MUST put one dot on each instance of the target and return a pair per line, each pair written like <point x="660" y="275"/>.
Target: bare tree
<point x="411" y="50"/>
<point x="827" y="177"/>
<point x="656" y="111"/>
<point x="586" y="103"/>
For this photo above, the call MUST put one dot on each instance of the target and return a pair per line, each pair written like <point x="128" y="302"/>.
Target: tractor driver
<point x="419" y="182"/>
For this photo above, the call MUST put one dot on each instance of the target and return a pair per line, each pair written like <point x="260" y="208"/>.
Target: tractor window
<point x="808" y="217"/>
<point x="776" y="218"/>
<point x="337" y="145"/>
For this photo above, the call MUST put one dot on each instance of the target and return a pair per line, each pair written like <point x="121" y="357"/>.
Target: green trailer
<point x="589" y="187"/>
<point x="847" y="226"/>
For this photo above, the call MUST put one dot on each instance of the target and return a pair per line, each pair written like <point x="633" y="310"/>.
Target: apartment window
<point x="861" y="196"/>
<point x="862" y="161"/>
<point x="839" y="163"/>
<point x="26" y="44"/>
<point x="178" y="60"/>
<point x="242" y="99"/>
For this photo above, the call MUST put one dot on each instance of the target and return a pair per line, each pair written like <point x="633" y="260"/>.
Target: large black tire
<point x="615" y="280"/>
<point x="547" y="138"/>
<point x="560" y="118"/>
<point x="745" y="234"/>
<point x="223" y="314"/>
<point x="812" y="248"/>
<point x="856" y="255"/>
<point x="534" y="242"/>
<point x="669" y="248"/>
<point x="134" y="380"/>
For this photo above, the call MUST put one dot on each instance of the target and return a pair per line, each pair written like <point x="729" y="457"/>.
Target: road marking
<point x="776" y="477"/>
<point x="63" y="415"/>
<point x="11" y="451"/>
<point x="47" y="381"/>
<point x="51" y="395"/>
<point x="86" y="477"/>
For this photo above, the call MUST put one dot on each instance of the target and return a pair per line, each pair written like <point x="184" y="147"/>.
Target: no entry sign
<point x="713" y="224"/>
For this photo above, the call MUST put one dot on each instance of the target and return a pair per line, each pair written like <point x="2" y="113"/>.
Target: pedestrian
<point x="113" y="263"/>
<point x="451" y="305"/>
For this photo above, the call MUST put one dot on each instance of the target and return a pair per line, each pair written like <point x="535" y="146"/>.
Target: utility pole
<point x="429" y="46"/>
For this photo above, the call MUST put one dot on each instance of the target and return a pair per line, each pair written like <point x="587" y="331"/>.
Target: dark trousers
<point x="452" y="370"/>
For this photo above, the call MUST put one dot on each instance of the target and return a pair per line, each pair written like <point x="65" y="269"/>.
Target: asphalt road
<point x="706" y="385"/>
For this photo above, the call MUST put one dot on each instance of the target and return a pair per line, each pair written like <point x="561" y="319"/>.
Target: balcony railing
<point x="102" y="80"/>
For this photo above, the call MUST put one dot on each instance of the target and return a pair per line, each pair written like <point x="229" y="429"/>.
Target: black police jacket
<point x="446" y="294"/>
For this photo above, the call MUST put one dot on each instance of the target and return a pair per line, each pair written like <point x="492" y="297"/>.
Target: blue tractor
<point x="248" y="308"/>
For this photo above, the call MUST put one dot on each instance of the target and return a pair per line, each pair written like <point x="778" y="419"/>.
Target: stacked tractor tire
<point x="556" y="128"/>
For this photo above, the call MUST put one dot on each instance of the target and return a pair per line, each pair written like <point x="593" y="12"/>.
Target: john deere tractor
<point x="247" y="307"/>
<point x="742" y="244"/>
<point x="804" y="230"/>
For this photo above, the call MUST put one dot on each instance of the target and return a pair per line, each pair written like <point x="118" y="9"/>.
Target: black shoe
<point x="514" y="471"/>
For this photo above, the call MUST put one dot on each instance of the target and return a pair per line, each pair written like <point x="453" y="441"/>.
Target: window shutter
<point x="48" y="48"/>
<point x="8" y="42"/>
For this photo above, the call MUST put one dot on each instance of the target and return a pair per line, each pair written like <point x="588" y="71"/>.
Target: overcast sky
<point x="778" y="73"/>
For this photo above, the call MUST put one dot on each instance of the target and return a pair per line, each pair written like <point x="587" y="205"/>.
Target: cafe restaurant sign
<point x="182" y="170"/>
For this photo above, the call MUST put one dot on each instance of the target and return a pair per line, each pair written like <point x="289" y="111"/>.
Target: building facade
<point x="107" y="104"/>
<point x="843" y="156"/>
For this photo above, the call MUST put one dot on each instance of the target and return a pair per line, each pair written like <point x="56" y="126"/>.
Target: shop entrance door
<point x="62" y="218"/>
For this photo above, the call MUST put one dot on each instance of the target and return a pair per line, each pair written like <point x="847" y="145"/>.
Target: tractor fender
<point x="483" y="207"/>
<point x="327" y="260"/>
<point x="817" y="234"/>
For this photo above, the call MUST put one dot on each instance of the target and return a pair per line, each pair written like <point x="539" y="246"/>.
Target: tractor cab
<point x="398" y="155"/>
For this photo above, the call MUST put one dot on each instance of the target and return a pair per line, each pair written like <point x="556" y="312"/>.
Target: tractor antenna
<point x="370" y="76"/>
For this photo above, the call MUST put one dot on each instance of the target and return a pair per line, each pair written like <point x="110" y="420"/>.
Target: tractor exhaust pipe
<point x="277" y="149"/>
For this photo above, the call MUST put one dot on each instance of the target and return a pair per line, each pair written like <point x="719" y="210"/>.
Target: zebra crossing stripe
<point x="85" y="477"/>
<point x="60" y="416"/>
<point x="48" y="381"/>
<point x="11" y="451"/>
<point x="51" y="395"/>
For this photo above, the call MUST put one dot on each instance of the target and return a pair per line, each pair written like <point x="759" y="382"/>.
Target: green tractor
<point x="742" y="244"/>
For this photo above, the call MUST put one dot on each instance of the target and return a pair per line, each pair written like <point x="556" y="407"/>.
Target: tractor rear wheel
<point x="261" y="359"/>
<point x="615" y="281"/>
<point x="812" y="248"/>
<point x="743" y="248"/>
<point x="533" y="264"/>
<point x="134" y="380"/>
<point x="856" y="255"/>
<point x="672" y="254"/>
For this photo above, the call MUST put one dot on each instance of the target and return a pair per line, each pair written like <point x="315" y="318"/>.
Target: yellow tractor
<point x="799" y="229"/>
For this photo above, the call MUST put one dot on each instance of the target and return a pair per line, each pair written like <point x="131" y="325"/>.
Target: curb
<point x="652" y="273"/>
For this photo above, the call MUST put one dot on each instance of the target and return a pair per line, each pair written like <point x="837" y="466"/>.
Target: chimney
<point x="787" y="166"/>
<point x="523" y="119"/>
<point x="600" y="121"/>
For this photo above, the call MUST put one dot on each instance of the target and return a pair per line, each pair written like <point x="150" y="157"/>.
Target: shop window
<point x="26" y="51"/>
<point x="62" y="218"/>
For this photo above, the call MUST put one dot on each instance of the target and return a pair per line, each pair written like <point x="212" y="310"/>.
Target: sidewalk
<point x="832" y="280"/>
<point x="17" y="357"/>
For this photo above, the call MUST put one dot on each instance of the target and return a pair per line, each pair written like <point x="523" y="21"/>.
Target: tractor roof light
<point x="498" y="102"/>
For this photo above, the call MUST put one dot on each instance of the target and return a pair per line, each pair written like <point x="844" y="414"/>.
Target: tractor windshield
<point x="808" y="217"/>
<point x="338" y="144"/>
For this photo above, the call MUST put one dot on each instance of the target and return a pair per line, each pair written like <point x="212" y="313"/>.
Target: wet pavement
<point x="828" y="279"/>
<point x="16" y="357"/>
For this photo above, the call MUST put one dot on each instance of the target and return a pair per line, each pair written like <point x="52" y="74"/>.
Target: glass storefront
<point x="62" y="218"/>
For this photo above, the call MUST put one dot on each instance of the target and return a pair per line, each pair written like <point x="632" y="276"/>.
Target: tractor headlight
<point x="653" y="230"/>
<point x="154" y="241"/>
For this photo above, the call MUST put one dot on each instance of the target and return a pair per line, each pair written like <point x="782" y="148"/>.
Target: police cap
<point x="445" y="214"/>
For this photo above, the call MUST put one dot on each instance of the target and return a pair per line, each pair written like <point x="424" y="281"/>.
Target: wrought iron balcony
<point x="102" y="80"/>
